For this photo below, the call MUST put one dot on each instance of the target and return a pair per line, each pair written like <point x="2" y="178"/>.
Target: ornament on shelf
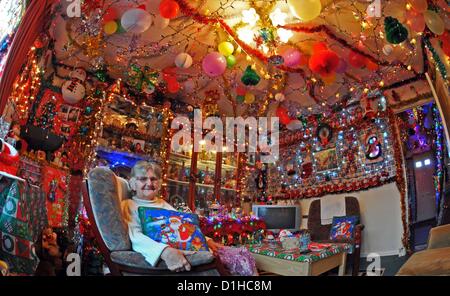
<point x="395" y="32"/>
<point x="73" y="90"/>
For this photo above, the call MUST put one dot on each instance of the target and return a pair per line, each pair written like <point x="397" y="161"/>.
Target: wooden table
<point x="278" y="261"/>
<point x="287" y="267"/>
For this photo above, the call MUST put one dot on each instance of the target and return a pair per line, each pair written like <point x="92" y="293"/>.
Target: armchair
<point x="321" y="233"/>
<point x="102" y="194"/>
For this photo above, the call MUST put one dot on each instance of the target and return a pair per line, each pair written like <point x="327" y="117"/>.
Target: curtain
<point x="29" y="29"/>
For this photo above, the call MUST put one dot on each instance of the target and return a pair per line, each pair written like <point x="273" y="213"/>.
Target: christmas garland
<point x="230" y="230"/>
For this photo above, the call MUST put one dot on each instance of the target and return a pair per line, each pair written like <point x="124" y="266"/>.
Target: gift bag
<point x="238" y="261"/>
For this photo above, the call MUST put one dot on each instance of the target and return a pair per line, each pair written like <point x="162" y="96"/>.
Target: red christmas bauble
<point x="324" y="62"/>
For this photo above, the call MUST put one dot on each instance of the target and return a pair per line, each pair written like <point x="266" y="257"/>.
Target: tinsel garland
<point x="343" y="187"/>
<point x="439" y="64"/>
<point x="399" y="177"/>
<point x="190" y="11"/>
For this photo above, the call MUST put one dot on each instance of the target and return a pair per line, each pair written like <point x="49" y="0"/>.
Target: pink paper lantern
<point x="214" y="64"/>
<point x="291" y="57"/>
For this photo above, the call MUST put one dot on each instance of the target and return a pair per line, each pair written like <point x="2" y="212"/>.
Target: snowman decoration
<point x="73" y="90"/>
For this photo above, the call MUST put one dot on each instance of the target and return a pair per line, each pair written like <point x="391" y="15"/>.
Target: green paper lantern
<point x="231" y="61"/>
<point x="250" y="77"/>
<point x="395" y="32"/>
<point x="120" y="29"/>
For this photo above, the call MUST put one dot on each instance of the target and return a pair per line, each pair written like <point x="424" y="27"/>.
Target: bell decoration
<point x="250" y="77"/>
<point x="395" y="32"/>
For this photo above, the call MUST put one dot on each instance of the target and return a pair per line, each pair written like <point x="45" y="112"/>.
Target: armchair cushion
<point x="137" y="260"/>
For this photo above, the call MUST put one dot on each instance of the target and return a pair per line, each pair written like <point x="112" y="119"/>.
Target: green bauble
<point x="250" y="77"/>
<point x="240" y="99"/>
<point x="231" y="61"/>
<point x="101" y="75"/>
<point x="395" y="32"/>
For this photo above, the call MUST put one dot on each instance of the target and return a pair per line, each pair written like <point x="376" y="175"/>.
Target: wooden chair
<point x="321" y="233"/>
<point x="102" y="194"/>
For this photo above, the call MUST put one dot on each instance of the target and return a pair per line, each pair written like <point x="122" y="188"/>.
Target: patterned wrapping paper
<point x="318" y="251"/>
<point x="55" y="186"/>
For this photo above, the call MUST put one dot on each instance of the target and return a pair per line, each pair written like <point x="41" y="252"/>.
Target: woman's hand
<point x="213" y="246"/>
<point x="175" y="260"/>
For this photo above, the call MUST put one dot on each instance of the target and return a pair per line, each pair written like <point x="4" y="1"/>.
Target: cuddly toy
<point x="73" y="90"/>
<point x="4" y="269"/>
<point x="52" y="248"/>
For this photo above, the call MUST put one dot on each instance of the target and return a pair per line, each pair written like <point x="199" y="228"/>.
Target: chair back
<point x="322" y="232"/>
<point x="104" y="210"/>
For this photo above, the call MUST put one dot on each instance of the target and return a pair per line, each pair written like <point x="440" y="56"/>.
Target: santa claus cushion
<point x="343" y="227"/>
<point x="177" y="229"/>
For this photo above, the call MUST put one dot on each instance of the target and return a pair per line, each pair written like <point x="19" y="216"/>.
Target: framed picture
<point x="326" y="160"/>
<point x="138" y="146"/>
<point x="73" y="114"/>
<point x="127" y="143"/>
<point x="63" y="112"/>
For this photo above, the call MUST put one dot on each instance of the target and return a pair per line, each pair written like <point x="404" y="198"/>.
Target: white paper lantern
<point x="183" y="60"/>
<point x="136" y="20"/>
<point x="160" y="22"/>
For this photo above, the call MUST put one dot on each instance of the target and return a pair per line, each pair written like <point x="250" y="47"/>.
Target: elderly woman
<point x="146" y="182"/>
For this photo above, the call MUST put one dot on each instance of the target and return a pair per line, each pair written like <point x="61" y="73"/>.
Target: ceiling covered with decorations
<point x="311" y="56"/>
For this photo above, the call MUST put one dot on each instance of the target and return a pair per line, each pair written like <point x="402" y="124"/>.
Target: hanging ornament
<point x="214" y="64"/>
<point x="434" y="22"/>
<point x="276" y="60"/>
<point x="241" y="90"/>
<point x="169" y="9"/>
<point x="388" y="49"/>
<point x="110" y="15"/>
<point x="279" y="97"/>
<point x="282" y="114"/>
<point x="445" y="39"/>
<point x="226" y="48"/>
<point x="110" y="27"/>
<point x="231" y="61"/>
<point x="183" y="60"/>
<point x="250" y="77"/>
<point x="161" y="22"/>
<point x="73" y="90"/>
<point x="305" y="10"/>
<point x="136" y="20"/>
<point x="249" y="98"/>
<point x="342" y="67"/>
<point x="101" y="74"/>
<point x="395" y="32"/>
